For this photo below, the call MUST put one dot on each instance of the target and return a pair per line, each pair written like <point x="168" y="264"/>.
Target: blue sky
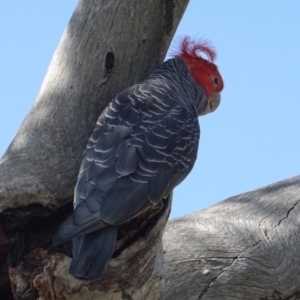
<point x="252" y="140"/>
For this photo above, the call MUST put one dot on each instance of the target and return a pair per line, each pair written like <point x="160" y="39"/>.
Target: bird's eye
<point x="216" y="80"/>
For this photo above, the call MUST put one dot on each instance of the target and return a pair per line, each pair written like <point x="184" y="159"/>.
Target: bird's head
<point x="204" y="71"/>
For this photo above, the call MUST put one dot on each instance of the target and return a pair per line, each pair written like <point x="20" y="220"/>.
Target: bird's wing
<point x="145" y="143"/>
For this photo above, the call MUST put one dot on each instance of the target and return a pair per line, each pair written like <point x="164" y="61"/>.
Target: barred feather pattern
<point x="144" y="144"/>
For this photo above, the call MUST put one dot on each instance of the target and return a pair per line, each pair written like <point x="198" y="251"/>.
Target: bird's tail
<point x="92" y="251"/>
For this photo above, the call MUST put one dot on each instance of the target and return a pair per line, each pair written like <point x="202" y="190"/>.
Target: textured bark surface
<point x="246" y="247"/>
<point x="107" y="46"/>
<point x="134" y="273"/>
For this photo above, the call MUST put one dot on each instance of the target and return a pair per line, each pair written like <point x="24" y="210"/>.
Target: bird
<point x="144" y="144"/>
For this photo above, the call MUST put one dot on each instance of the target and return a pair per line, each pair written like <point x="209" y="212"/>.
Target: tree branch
<point x="107" y="46"/>
<point x="42" y="162"/>
<point x="246" y="247"/>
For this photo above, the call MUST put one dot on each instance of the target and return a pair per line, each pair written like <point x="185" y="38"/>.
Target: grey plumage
<point x="144" y="144"/>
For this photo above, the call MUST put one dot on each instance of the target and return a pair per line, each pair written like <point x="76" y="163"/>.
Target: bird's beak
<point x="214" y="101"/>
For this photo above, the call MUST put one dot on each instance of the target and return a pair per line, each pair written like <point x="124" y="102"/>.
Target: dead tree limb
<point x="246" y="247"/>
<point x="107" y="46"/>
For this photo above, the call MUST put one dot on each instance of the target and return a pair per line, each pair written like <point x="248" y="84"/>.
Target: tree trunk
<point x="246" y="247"/>
<point x="107" y="46"/>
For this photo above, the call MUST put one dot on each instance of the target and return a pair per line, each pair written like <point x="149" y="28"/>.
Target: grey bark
<point x="107" y="46"/>
<point x="135" y="273"/>
<point x="42" y="162"/>
<point x="246" y="247"/>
